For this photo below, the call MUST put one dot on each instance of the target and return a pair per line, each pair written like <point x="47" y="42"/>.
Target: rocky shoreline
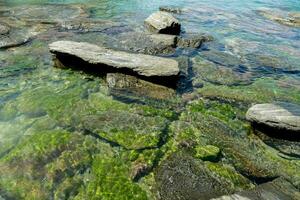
<point x="173" y="117"/>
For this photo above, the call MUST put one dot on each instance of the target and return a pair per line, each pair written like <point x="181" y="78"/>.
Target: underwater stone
<point x="140" y="42"/>
<point x="280" y="116"/>
<point x="163" y="22"/>
<point x="170" y="9"/>
<point x="277" y="189"/>
<point x="193" y="40"/>
<point x="4" y="29"/>
<point x="285" y="18"/>
<point x="107" y="59"/>
<point x="181" y="176"/>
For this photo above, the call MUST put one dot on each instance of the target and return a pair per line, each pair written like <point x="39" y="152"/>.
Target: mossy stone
<point x="207" y="153"/>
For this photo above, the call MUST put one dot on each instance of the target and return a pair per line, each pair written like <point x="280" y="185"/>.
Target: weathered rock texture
<point x="107" y="59"/>
<point x="281" y="116"/>
<point x="163" y="22"/>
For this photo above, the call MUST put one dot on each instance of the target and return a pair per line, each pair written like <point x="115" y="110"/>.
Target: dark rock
<point x="105" y="59"/>
<point x="163" y="22"/>
<point x="153" y="44"/>
<point x="193" y="40"/>
<point x="277" y="189"/>
<point x="183" y="177"/>
<point x="170" y="9"/>
<point x="282" y="118"/>
<point x="138" y="86"/>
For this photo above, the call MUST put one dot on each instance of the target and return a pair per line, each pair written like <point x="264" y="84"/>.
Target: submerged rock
<point x="13" y="38"/>
<point x="277" y="189"/>
<point x="48" y="14"/>
<point x="85" y="25"/>
<point x="193" y="40"/>
<point x="146" y="43"/>
<point x="4" y="29"/>
<point x="182" y="177"/>
<point x="138" y="86"/>
<point x="279" y="117"/>
<point x="170" y="9"/>
<point x="163" y="22"/>
<point x="281" y="17"/>
<point x="104" y="59"/>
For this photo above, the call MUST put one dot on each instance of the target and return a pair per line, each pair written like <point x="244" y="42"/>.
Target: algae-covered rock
<point x="277" y="189"/>
<point x="248" y="154"/>
<point x="216" y="74"/>
<point x="182" y="177"/>
<point x="45" y="161"/>
<point x="131" y="131"/>
<point x="263" y="90"/>
<point x="207" y="153"/>
<point x="110" y="180"/>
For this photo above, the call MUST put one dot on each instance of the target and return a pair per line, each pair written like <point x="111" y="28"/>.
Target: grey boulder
<point x="163" y="22"/>
<point x="280" y="116"/>
<point x="104" y="58"/>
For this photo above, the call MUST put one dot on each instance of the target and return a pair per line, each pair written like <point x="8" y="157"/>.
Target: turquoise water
<point x="67" y="134"/>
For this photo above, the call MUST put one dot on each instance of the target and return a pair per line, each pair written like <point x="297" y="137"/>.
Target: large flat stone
<point x="101" y="57"/>
<point x="281" y="116"/>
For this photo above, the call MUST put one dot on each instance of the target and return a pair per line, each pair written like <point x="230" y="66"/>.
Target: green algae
<point x="131" y="131"/>
<point x="110" y="181"/>
<point x="262" y="90"/>
<point x="227" y="174"/>
<point x="40" y="163"/>
<point x="207" y="153"/>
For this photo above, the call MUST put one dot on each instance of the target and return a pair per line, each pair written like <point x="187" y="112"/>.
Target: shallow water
<point x="66" y="134"/>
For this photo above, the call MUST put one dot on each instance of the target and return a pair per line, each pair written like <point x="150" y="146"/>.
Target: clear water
<point x="31" y="90"/>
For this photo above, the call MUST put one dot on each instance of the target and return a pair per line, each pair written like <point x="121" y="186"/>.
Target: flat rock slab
<point x="281" y="116"/>
<point x="163" y="22"/>
<point x="140" y="64"/>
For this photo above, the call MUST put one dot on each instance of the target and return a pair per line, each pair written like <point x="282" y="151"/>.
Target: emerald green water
<point x="66" y="134"/>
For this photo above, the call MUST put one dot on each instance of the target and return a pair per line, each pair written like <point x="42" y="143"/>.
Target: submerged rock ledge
<point x="104" y="59"/>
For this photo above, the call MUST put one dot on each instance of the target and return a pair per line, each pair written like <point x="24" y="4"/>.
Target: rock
<point x="48" y="14"/>
<point x="277" y="189"/>
<point x="138" y="86"/>
<point x="193" y="40"/>
<point x="14" y="38"/>
<point x="163" y="22"/>
<point x="4" y="29"/>
<point x="207" y="153"/>
<point x="104" y="59"/>
<point x="182" y="177"/>
<point x="87" y="26"/>
<point x="154" y="44"/>
<point x="282" y="17"/>
<point x="170" y="9"/>
<point x="278" y="117"/>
